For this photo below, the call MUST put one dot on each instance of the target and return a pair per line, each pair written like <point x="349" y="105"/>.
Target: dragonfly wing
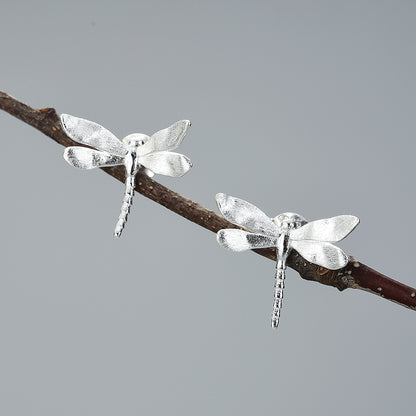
<point x="166" y="163"/>
<point x="85" y="158"/>
<point x="240" y="240"/>
<point x="166" y="139"/>
<point x="246" y="215"/>
<point x="329" y="229"/>
<point x="92" y="134"/>
<point x="321" y="253"/>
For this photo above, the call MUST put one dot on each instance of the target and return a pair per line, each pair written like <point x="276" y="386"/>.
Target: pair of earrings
<point x="313" y="240"/>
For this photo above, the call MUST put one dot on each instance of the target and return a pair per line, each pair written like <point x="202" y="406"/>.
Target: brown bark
<point x="355" y="275"/>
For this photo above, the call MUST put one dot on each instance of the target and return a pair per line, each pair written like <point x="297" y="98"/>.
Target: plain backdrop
<point x="305" y="106"/>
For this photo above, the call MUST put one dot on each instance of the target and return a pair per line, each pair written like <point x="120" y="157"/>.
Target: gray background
<point x="296" y="106"/>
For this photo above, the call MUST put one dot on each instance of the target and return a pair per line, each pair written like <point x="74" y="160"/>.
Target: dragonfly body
<point x="135" y="151"/>
<point x="132" y="165"/>
<point x="284" y="222"/>
<point x="285" y="232"/>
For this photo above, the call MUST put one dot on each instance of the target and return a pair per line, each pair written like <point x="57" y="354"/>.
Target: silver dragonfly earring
<point x="286" y="231"/>
<point x="135" y="151"/>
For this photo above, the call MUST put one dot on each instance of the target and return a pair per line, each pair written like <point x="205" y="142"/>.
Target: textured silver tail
<point x="279" y="285"/>
<point x="125" y="206"/>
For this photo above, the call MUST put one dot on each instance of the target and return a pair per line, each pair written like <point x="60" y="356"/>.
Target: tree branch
<point x="355" y="275"/>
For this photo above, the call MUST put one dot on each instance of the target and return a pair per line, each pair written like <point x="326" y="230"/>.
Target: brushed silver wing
<point x="85" y="158"/>
<point x="166" y="163"/>
<point x="92" y="134"/>
<point x="246" y="215"/>
<point x="321" y="253"/>
<point x="166" y="139"/>
<point x="240" y="240"/>
<point x="329" y="229"/>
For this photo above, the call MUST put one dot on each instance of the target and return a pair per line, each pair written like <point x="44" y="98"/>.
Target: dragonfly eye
<point x="135" y="139"/>
<point x="289" y="220"/>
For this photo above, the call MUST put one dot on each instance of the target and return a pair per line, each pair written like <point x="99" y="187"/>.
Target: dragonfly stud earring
<point x="286" y="231"/>
<point x="134" y="151"/>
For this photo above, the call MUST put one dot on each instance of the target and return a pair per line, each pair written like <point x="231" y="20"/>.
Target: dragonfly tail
<point x="279" y="285"/>
<point x="125" y="206"/>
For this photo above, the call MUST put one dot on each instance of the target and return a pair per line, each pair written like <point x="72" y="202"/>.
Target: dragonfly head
<point x="289" y="221"/>
<point x="133" y="141"/>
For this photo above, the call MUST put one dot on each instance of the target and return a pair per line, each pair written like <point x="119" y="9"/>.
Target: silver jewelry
<point x="134" y="151"/>
<point x="286" y="231"/>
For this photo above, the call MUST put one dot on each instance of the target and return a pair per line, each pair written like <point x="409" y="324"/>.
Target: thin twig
<point x="355" y="275"/>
